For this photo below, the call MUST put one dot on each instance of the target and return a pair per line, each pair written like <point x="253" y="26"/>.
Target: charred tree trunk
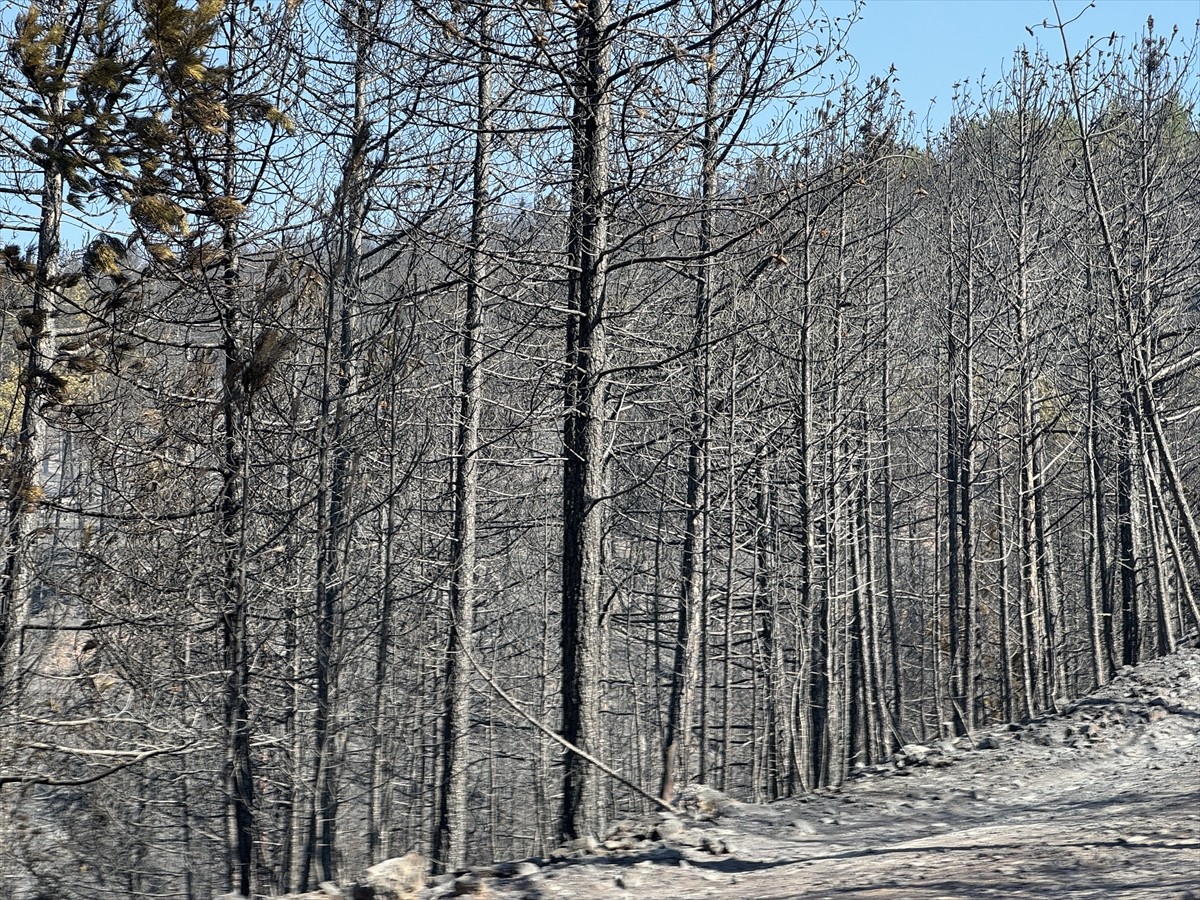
<point x="583" y="428"/>
<point x="450" y="836"/>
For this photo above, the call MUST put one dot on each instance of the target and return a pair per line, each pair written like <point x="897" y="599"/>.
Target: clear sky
<point x="934" y="43"/>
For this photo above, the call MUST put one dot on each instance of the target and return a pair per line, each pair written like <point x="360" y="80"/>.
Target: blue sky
<point x="934" y="43"/>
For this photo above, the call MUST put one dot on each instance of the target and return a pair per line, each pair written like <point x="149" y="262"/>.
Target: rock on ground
<point x="393" y="879"/>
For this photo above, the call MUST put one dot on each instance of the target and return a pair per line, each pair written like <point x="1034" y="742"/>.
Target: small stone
<point x="467" y="884"/>
<point x="689" y="839"/>
<point x="668" y="828"/>
<point x="987" y="742"/>
<point x="1134" y="840"/>
<point x="703" y="802"/>
<point x="576" y="849"/>
<point x="663" y="855"/>
<point x="392" y="879"/>
<point x="1157" y="714"/>
<point x="619" y="880"/>
<point x="913" y="752"/>
<point x="624" y="828"/>
<point x="507" y="869"/>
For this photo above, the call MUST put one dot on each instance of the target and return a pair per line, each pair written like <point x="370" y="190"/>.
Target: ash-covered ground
<point x="1101" y="801"/>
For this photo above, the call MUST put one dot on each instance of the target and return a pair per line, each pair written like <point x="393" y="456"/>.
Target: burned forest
<point x="455" y="428"/>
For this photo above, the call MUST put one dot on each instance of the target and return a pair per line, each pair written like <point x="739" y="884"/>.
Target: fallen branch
<point x="133" y="759"/>
<point x="555" y="736"/>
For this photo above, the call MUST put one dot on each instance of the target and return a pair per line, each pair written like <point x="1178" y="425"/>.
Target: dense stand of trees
<point x="455" y="427"/>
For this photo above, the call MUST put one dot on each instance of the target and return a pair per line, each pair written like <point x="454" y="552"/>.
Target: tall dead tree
<point x="584" y="421"/>
<point x="450" y="836"/>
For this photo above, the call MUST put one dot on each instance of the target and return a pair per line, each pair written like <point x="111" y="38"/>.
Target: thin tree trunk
<point x="235" y="637"/>
<point x="1004" y="589"/>
<point x="953" y="471"/>
<point x="966" y="484"/>
<point x="878" y="701"/>
<point x="1126" y="549"/>
<point x="24" y="490"/>
<point x="1099" y="587"/>
<point x="935" y="629"/>
<point x="1156" y="524"/>
<point x="337" y="458"/>
<point x="896" y="737"/>
<point x="730" y="572"/>
<point x="770" y="658"/>
<point x="681" y="705"/>
<point x="450" y="836"/>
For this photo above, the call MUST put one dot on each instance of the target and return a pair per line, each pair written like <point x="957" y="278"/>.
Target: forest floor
<point x="1102" y="800"/>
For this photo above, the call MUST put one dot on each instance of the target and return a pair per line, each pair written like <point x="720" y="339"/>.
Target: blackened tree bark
<point x="583" y="427"/>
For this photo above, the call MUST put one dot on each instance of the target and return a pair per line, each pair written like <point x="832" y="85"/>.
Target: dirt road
<point x="1102" y="801"/>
